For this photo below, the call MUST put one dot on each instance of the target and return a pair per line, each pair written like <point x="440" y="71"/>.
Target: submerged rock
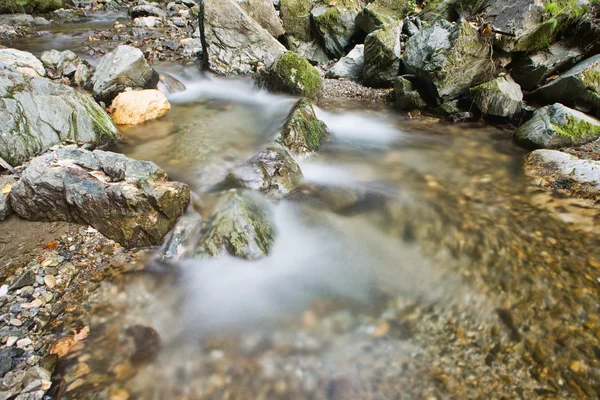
<point x="263" y="12"/>
<point x="36" y="113"/>
<point x="381" y="13"/>
<point x="272" y="171"/>
<point x="168" y="84"/>
<point x="239" y="226"/>
<point x="6" y="183"/>
<point x="334" y="24"/>
<point x="123" y="68"/>
<point x="501" y="97"/>
<point x="448" y="59"/>
<point x="558" y="126"/>
<point x="22" y="61"/>
<point x="351" y="66"/>
<point x="407" y="97"/>
<point x="303" y="133"/>
<point x="290" y="73"/>
<point x="129" y="201"/>
<point x="183" y="239"/>
<point x="135" y="107"/>
<point x="382" y="56"/>
<point x="236" y="44"/>
<point x="556" y="170"/>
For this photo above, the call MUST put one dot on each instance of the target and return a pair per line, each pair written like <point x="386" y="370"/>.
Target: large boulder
<point x="263" y="12"/>
<point x="123" y="68"/>
<point x="130" y="201"/>
<point x="558" y="126"/>
<point x="36" y="113"/>
<point x="556" y="170"/>
<point x="579" y="86"/>
<point x="290" y="73"/>
<point x="380" y="13"/>
<point x="6" y="183"/>
<point x="295" y="15"/>
<point x="303" y="133"/>
<point x="135" y="107"/>
<point x="22" y="61"/>
<point x="334" y="24"/>
<point x="235" y="43"/>
<point x="351" y="66"/>
<point x="520" y="17"/>
<point x="272" y="171"/>
<point x="382" y="56"/>
<point x="448" y="58"/>
<point x="240" y="226"/>
<point x="501" y="97"/>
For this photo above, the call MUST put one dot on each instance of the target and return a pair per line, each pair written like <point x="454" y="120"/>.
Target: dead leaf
<point x="50" y="245"/>
<point x="67" y="343"/>
<point x="82" y="334"/>
<point x="6" y="188"/>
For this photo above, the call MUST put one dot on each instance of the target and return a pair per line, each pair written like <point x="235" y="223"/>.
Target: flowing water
<point x="392" y="274"/>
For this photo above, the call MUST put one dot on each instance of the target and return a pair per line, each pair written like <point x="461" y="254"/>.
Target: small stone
<point x="50" y="281"/>
<point x="16" y="322"/>
<point x="37" y="303"/>
<point x="22" y="343"/>
<point x="15" y="308"/>
<point x="25" y="279"/>
<point x="11" y="341"/>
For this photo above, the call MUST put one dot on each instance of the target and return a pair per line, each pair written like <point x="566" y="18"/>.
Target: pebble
<point x="11" y="340"/>
<point x="50" y="281"/>
<point x="22" y="343"/>
<point x="16" y="322"/>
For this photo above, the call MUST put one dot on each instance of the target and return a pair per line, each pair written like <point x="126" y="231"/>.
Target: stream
<point x="417" y="262"/>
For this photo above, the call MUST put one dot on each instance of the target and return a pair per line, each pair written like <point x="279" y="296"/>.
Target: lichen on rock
<point x="303" y="133"/>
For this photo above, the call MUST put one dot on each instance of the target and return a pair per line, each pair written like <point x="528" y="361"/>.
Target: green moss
<point x="565" y="8"/>
<point x="29" y="6"/>
<point x="303" y="132"/>
<point x="329" y="21"/>
<point x="577" y="129"/>
<point x="103" y="125"/>
<point x="296" y="18"/>
<point x="538" y="38"/>
<point x="591" y="79"/>
<point x="293" y="74"/>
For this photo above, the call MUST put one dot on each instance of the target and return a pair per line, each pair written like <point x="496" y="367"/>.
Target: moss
<point x="103" y="125"/>
<point x="291" y="73"/>
<point x="538" y="38"/>
<point x="565" y="8"/>
<point x="577" y="129"/>
<point x="303" y="132"/>
<point x="329" y="21"/>
<point x="29" y="6"/>
<point x="591" y="79"/>
<point x="296" y="18"/>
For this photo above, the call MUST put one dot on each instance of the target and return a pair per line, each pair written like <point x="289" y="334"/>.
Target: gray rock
<point x="36" y="113"/>
<point x="409" y="28"/>
<point x="290" y="73"/>
<point x="239" y="226"/>
<point x="147" y="10"/>
<point x="17" y="20"/>
<point x="407" y="97"/>
<point x="556" y="170"/>
<point x="83" y="74"/>
<point x="579" y="86"/>
<point x="312" y="51"/>
<point x="236" y="44"/>
<point x="60" y="63"/>
<point x="501" y="97"/>
<point x="351" y="66"/>
<point x="303" y="133"/>
<point x="27" y="278"/>
<point x="123" y="68"/>
<point x="296" y="22"/>
<point x="183" y="239"/>
<point x="530" y="70"/>
<point x="263" y="12"/>
<point x="335" y="27"/>
<point x="272" y="171"/>
<point x="126" y="200"/>
<point x="520" y="17"/>
<point x="558" y="126"/>
<point x="168" y="84"/>
<point x="41" y="21"/>
<point x="381" y="13"/>
<point x="448" y="58"/>
<point x="382" y="56"/>
<point x="147" y="22"/>
<point x="22" y="61"/>
<point x="6" y="183"/>
<point x="6" y="358"/>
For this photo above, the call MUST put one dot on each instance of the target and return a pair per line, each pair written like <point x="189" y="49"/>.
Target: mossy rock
<point x="383" y="12"/>
<point x="303" y="133"/>
<point x="335" y="26"/>
<point x="407" y="97"/>
<point x="295" y="15"/>
<point x="29" y="6"/>
<point x="382" y="56"/>
<point x="290" y="73"/>
<point x="501" y="97"/>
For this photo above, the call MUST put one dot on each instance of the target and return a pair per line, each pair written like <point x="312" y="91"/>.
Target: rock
<point x="147" y="22"/>
<point x="135" y="107"/>
<point x="410" y="28"/>
<point x="123" y="68"/>
<point x="240" y="226"/>
<point x="6" y="183"/>
<point x="530" y="70"/>
<point x="191" y="47"/>
<point x="272" y="171"/>
<point x="295" y="16"/>
<point x="16" y="19"/>
<point x="351" y="66"/>
<point x="290" y="73"/>
<point x="558" y="126"/>
<point x="22" y="61"/>
<point x="335" y="25"/>
<point x="579" y="86"/>
<point x="312" y="51"/>
<point x="303" y="133"/>
<point x="6" y="358"/>
<point x="129" y="201"/>
<point x="36" y="113"/>
<point x="381" y="13"/>
<point x="27" y="278"/>
<point x="179" y="22"/>
<point x="407" y="97"/>
<point x="501" y="97"/>
<point x="41" y="21"/>
<point x="183" y="239"/>
<point x="382" y="56"/>
<point x="556" y="170"/>
<point x="168" y="84"/>
<point x="147" y="344"/>
<point x="147" y="10"/>
<point x="263" y="12"/>
<point x="448" y="59"/>
<point x="520" y="17"/>
<point x="60" y="63"/>
<point x="83" y="74"/>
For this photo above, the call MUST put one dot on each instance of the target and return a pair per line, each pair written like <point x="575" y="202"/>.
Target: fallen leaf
<point x="6" y="188"/>
<point x="67" y="343"/>
<point x="50" y="245"/>
<point x="81" y="334"/>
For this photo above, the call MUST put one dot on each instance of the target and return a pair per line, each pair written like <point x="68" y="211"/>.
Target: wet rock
<point x="303" y="133"/>
<point x="448" y="59"/>
<point x="410" y="28"/>
<point x="501" y="97"/>
<point x="312" y="50"/>
<point x="334" y="24"/>
<point x="556" y="170"/>
<point x="407" y="97"/>
<point x="22" y="61"/>
<point x="294" y="14"/>
<point x="147" y="10"/>
<point x="240" y="226"/>
<point x="135" y="107"/>
<point x="6" y="358"/>
<point x="183" y="239"/>
<point x="579" y="86"/>
<point x="529" y="71"/>
<point x="60" y="64"/>
<point x="382" y="13"/>
<point x="126" y="200"/>
<point x="39" y="114"/>
<point x="382" y="56"/>
<point x="147" y="344"/>
<point x="27" y="278"/>
<point x="558" y="126"/>
<point x="263" y="12"/>
<point x="351" y="66"/>
<point x="123" y="68"/>
<point x="147" y="22"/>
<point x="168" y="84"/>
<point x="83" y="74"/>
<point x="520" y="17"/>
<point x="236" y="44"/>
<point x="41" y="21"/>
<point x="16" y="19"/>
<point x="6" y="183"/>
<point x="290" y="73"/>
<point x="272" y="171"/>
